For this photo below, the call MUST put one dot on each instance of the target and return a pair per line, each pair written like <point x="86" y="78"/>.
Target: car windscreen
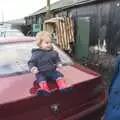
<point x="14" y="33"/>
<point x="14" y="57"/>
<point x="11" y="33"/>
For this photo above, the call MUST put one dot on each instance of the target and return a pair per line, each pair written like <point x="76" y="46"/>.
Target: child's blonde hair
<point x="41" y="36"/>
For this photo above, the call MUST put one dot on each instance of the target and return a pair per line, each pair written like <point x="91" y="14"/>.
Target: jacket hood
<point x="38" y="49"/>
<point x="35" y="50"/>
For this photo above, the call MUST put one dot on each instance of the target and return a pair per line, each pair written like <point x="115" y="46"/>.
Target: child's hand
<point x="34" y="70"/>
<point x="59" y="65"/>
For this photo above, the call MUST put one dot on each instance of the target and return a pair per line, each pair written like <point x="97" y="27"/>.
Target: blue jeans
<point x="42" y="76"/>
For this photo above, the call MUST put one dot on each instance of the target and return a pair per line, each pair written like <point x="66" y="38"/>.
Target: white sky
<point x="15" y="9"/>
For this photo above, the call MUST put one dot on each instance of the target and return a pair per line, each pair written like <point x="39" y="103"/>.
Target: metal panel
<point x="36" y="27"/>
<point x="82" y="41"/>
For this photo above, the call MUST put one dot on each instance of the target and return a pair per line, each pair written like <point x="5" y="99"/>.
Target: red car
<point x="86" y="100"/>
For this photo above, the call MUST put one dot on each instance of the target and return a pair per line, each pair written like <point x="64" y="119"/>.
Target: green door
<point x="82" y="38"/>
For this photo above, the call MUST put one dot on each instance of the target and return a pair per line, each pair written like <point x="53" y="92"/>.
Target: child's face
<point x="46" y="44"/>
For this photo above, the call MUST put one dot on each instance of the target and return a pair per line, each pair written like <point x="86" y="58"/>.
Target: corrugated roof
<point x="61" y="4"/>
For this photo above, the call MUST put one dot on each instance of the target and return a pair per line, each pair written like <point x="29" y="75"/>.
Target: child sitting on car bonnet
<point x="43" y="64"/>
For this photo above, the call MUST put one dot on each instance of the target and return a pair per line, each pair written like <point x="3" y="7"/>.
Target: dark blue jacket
<point x="44" y="60"/>
<point x="114" y="83"/>
<point x="113" y="107"/>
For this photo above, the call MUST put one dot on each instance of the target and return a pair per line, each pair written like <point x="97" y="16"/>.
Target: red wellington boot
<point x="63" y="86"/>
<point x="44" y="89"/>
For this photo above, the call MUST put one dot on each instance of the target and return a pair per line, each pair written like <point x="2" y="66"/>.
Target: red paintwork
<point x="16" y="103"/>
